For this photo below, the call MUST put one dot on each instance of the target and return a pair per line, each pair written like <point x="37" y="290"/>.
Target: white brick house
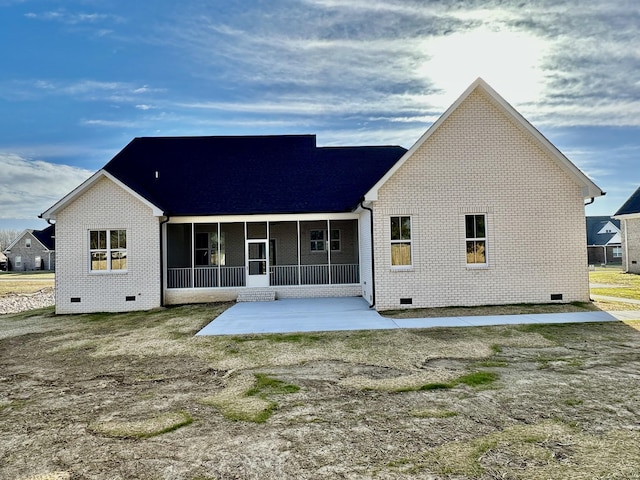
<point x="467" y="216"/>
<point x="629" y="216"/>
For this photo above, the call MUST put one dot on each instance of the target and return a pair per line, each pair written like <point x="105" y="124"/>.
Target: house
<point x="32" y="250"/>
<point x="466" y="216"/>
<point x="629" y="217"/>
<point x="603" y="241"/>
<point x="3" y="262"/>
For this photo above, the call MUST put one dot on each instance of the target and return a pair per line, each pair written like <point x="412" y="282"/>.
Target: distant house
<point x="32" y="250"/>
<point x="3" y="262"/>
<point x="629" y="217"/>
<point x="604" y="242"/>
<point x="467" y="216"/>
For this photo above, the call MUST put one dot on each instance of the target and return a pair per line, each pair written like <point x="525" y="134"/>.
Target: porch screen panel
<point x="344" y="244"/>
<point x="283" y="253"/>
<point x="179" y="255"/>
<point x="231" y="255"/>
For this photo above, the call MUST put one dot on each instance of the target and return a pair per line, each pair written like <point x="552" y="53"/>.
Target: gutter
<point x="373" y="260"/>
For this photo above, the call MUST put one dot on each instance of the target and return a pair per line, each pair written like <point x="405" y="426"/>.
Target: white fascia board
<point x="589" y="188"/>
<point x="285" y="217"/>
<point x="628" y="216"/>
<point x="50" y="214"/>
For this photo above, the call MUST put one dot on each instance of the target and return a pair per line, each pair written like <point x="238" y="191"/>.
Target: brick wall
<point x="480" y="161"/>
<point x="106" y="206"/>
<point x="28" y="255"/>
<point x="630" y="233"/>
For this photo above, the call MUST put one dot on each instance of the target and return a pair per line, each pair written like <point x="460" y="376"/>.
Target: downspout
<point x="162" y="223"/>
<point x="373" y="260"/>
<point x="590" y="201"/>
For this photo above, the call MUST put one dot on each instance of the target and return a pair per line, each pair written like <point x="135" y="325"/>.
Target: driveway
<point x="353" y="313"/>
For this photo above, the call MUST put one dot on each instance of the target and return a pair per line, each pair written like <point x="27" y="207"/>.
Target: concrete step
<point x="256" y="295"/>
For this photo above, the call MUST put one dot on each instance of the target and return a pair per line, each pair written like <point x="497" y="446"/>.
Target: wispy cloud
<point x="73" y="18"/>
<point x="27" y="187"/>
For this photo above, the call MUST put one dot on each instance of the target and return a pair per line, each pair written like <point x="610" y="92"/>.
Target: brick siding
<point x="480" y="161"/>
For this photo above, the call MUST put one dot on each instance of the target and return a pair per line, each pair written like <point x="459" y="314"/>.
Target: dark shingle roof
<point x="632" y="205"/>
<point x="594" y="225"/>
<point x="46" y="237"/>
<point x="250" y="174"/>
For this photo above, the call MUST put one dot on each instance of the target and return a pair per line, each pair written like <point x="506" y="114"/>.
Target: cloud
<point x="71" y="18"/>
<point x="29" y="187"/>
<point x="577" y="60"/>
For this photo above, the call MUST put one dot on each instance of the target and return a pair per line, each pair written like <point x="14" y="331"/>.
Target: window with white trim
<point x="476" y="239"/>
<point x="318" y="239"/>
<point x="401" y="242"/>
<point x="108" y="250"/>
<point x="27" y="242"/>
<point x="18" y="261"/>
<point x="617" y="252"/>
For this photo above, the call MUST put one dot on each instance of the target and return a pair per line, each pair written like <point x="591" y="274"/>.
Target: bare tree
<point x="7" y="236"/>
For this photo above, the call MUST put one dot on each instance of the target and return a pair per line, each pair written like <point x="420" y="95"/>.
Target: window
<point x="206" y="249"/>
<point x="476" y="238"/>
<point x="108" y="250"/>
<point x="18" y="261"/>
<point x="319" y="244"/>
<point x="617" y="252"/>
<point x="317" y="240"/>
<point x="401" y="241"/>
<point x="27" y="242"/>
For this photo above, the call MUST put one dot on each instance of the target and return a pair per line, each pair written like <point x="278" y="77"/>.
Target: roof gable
<point x="39" y="236"/>
<point x="631" y="206"/>
<point x="602" y="230"/>
<point x="51" y="213"/>
<point x="589" y="189"/>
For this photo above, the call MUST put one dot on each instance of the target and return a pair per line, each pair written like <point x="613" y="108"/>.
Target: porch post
<point x="193" y="255"/>
<point x="328" y="244"/>
<point x="299" y="250"/>
<point x="219" y="273"/>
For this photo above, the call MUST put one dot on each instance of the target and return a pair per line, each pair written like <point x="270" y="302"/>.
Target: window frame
<point x="616" y="252"/>
<point x="476" y="239"/>
<point x="27" y="243"/>
<point x="327" y="240"/>
<point x="401" y="241"/>
<point x="108" y="251"/>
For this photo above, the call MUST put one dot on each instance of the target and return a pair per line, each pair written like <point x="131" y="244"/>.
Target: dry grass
<point x="144" y="428"/>
<point x="25" y="283"/>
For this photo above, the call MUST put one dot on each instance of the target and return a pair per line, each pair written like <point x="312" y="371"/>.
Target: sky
<point x="79" y="79"/>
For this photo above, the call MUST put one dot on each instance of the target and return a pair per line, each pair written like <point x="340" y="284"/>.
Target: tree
<point x="7" y="236"/>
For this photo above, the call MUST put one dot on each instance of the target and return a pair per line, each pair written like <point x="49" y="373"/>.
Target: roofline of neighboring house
<point x="50" y="214"/>
<point x="589" y="188"/>
<point x="627" y="216"/>
<point x="19" y="237"/>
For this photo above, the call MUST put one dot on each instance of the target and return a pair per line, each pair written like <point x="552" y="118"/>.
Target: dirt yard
<point x="138" y="396"/>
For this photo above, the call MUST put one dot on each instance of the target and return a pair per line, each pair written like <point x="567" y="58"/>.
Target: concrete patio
<point x="353" y="313"/>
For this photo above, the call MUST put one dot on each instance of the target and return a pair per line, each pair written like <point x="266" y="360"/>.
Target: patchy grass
<point x="516" y="309"/>
<point x="530" y="452"/>
<point x="432" y="413"/>
<point x="145" y="428"/>
<point x="247" y="397"/>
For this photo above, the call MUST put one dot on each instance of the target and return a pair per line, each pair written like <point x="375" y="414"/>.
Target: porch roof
<point x="250" y="174"/>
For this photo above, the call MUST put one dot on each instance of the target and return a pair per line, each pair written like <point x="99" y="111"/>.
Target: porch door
<point x="257" y="263"/>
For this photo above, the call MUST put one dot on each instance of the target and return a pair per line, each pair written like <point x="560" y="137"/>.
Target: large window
<point x="108" y="250"/>
<point x="401" y="241"/>
<point x="476" y="238"/>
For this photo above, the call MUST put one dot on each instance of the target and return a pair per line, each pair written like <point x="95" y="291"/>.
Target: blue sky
<point x="81" y="78"/>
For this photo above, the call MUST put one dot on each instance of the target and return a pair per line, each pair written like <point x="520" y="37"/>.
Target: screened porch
<point x="260" y="254"/>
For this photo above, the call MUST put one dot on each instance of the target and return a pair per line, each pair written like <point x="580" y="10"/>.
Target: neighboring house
<point x="467" y="216"/>
<point x="3" y="262"/>
<point x="32" y="250"/>
<point x="604" y="245"/>
<point x="629" y="217"/>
